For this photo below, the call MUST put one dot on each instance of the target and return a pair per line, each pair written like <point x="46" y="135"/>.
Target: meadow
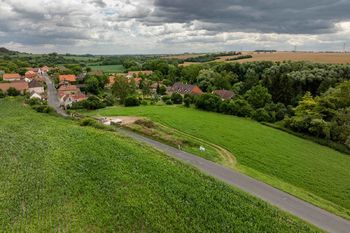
<point x="303" y="168"/>
<point x="57" y="176"/>
<point x="109" y="68"/>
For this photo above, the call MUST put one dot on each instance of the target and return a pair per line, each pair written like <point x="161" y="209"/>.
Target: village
<point x="71" y="89"/>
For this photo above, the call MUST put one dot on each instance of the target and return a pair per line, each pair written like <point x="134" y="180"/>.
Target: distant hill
<point x="5" y="51"/>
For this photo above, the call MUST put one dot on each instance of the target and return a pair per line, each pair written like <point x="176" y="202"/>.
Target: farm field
<point x="303" y="168"/>
<point x="109" y="68"/>
<point x="57" y="176"/>
<point x="316" y="57"/>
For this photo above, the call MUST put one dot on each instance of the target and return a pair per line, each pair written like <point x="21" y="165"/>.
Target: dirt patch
<point x="124" y="120"/>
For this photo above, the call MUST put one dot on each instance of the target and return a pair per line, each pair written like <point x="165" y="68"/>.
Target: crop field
<point x="303" y="168"/>
<point x="57" y="176"/>
<point x="109" y="68"/>
<point x="316" y="57"/>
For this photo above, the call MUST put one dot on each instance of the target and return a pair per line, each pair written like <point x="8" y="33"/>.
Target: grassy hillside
<point x="109" y="68"/>
<point x="56" y="176"/>
<point x="305" y="169"/>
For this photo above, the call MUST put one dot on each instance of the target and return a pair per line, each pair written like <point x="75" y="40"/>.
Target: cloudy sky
<point x="173" y="26"/>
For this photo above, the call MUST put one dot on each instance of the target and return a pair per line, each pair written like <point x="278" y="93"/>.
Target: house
<point x="185" y="89"/>
<point x="21" y="86"/>
<point x="45" y="69"/>
<point x="11" y="77"/>
<point x="68" y="90"/>
<point x="71" y="78"/>
<point x="224" y="94"/>
<point x="136" y="74"/>
<point x="68" y="99"/>
<point x="36" y="87"/>
<point x="30" y="74"/>
<point x="36" y="95"/>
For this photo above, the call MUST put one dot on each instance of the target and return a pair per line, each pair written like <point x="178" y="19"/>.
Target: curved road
<point x="304" y="210"/>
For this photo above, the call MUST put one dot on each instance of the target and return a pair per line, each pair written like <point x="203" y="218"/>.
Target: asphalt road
<point x="53" y="97"/>
<point x="306" y="211"/>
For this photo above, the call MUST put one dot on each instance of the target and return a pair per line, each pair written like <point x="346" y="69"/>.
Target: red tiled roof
<point x="11" y="76"/>
<point x="18" y="85"/>
<point x="224" y="94"/>
<point x="69" y="78"/>
<point x="68" y="88"/>
<point x="30" y="74"/>
<point x="185" y="89"/>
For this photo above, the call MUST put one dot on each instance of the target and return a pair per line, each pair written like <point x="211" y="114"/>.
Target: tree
<point x="240" y="107"/>
<point x="161" y="90"/>
<point x="251" y="79"/>
<point x="258" y="96"/>
<point x="145" y="88"/>
<point x="92" y="85"/>
<point x="208" y="102"/>
<point x="13" y="92"/>
<point x="176" y="98"/>
<point x="2" y="94"/>
<point x="122" y="88"/>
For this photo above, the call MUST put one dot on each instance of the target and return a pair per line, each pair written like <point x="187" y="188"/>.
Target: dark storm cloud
<point x="292" y="17"/>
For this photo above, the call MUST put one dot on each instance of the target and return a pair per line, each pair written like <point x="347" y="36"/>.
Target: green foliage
<point x="208" y="102"/>
<point x="64" y="176"/>
<point x="241" y="108"/>
<point x="161" y="90"/>
<point x="261" y="115"/>
<point x="122" y="88"/>
<point x="131" y="101"/>
<point x="271" y="155"/>
<point x="176" y="98"/>
<point x="2" y="94"/>
<point x="13" y="92"/>
<point x="258" y="96"/>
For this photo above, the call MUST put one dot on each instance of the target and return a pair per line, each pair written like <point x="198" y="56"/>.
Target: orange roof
<point x="11" y="76"/>
<point x="18" y="85"/>
<point x="69" y="78"/>
<point x="30" y="74"/>
<point x="68" y="88"/>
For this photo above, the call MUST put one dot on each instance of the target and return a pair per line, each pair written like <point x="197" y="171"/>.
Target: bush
<point x="43" y="108"/>
<point x="144" y="103"/>
<point x="209" y="102"/>
<point x="35" y="101"/>
<point x="2" y="94"/>
<point x="240" y="107"/>
<point x="13" y="92"/>
<point x="262" y="115"/>
<point x="169" y="102"/>
<point x="176" y="98"/>
<point x="166" y="98"/>
<point x="92" y="123"/>
<point x="108" y="100"/>
<point x="187" y="102"/>
<point x="131" y="101"/>
<point x="93" y="103"/>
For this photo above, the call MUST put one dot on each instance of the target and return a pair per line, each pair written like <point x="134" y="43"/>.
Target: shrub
<point x="144" y="103"/>
<point x="92" y="123"/>
<point x="262" y="115"/>
<point x="169" y="102"/>
<point x="13" y="92"/>
<point x="108" y="100"/>
<point x="131" y="101"/>
<point x="187" y="102"/>
<point x="43" y="108"/>
<point x="2" y="94"/>
<point x="34" y="101"/>
<point x="209" y="102"/>
<point x="240" y="107"/>
<point x="92" y="103"/>
<point x="166" y="98"/>
<point x="176" y="98"/>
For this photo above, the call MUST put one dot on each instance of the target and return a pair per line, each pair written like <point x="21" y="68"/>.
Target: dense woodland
<point x="308" y="98"/>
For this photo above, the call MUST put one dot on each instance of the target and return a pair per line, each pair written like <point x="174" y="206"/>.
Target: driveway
<point x="53" y="97"/>
<point x="306" y="211"/>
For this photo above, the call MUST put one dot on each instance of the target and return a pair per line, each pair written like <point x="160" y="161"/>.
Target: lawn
<point x="56" y="176"/>
<point x="109" y="68"/>
<point x="303" y="168"/>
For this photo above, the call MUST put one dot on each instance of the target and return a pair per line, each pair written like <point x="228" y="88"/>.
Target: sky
<point x="173" y="26"/>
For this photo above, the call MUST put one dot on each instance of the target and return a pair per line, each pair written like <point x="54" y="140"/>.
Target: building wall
<point x="38" y="90"/>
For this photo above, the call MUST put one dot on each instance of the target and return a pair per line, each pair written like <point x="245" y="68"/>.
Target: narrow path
<point x="53" y="97"/>
<point x="306" y="211"/>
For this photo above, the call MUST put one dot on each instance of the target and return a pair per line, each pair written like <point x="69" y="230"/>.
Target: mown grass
<point x="303" y="168"/>
<point x="109" y="68"/>
<point x="56" y="176"/>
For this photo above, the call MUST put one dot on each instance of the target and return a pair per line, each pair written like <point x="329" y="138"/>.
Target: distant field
<point x="313" y="172"/>
<point x="184" y="56"/>
<point x="331" y="58"/>
<point x="109" y="68"/>
<point x="83" y="58"/>
<point x="56" y="176"/>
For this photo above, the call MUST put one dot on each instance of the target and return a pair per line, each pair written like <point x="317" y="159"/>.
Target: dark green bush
<point x="176" y="98"/>
<point x="131" y="101"/>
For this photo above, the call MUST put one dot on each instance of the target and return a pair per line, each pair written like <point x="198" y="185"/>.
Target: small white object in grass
<point x="202" y="149"/>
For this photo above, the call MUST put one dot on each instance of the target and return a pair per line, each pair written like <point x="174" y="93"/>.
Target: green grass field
<point x="303" y="168"/>
<point x="56" y="176"/>
<point x="109" y="68"/>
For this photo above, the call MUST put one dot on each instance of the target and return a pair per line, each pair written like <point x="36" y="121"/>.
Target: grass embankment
<point x="303" y="168"/>
<point x="109" y="68"/>
<point x="56" y="176"/>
